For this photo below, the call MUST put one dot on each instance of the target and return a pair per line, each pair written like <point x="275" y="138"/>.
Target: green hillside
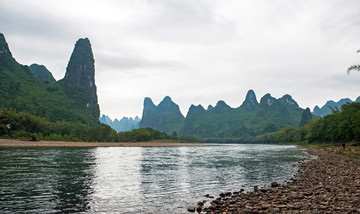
<point x="22" y="91"/>
<point x="223" y="123"/>
<point x="41" y="72"/>
<point x="166" y="117"/>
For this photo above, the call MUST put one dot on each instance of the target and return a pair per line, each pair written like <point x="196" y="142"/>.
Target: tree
<point x="174" y="136"/>
<point x="354" y="67"/>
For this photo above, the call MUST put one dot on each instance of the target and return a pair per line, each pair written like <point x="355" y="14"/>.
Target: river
<point x="135" y="179"/>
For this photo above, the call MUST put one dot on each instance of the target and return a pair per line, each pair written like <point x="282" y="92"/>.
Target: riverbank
<point x="22" y="143"/>
<point x="328" y="184"/>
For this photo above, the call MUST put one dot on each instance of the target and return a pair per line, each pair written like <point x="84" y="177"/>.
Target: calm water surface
<point x="135" y="179"/>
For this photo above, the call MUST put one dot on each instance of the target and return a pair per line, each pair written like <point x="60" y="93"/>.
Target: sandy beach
<point x="22" y="143"/>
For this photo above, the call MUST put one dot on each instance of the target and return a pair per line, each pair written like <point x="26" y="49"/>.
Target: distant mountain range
<point x="125" y="124"/>
<point x="221" y="122"/>
<point x="330" y="105"/>
<point x="33" y="89"/>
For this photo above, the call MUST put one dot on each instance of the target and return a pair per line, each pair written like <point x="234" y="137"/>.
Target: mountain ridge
<point x="222" y="121"/>
<point x="122" y="125"/>
<point x="326" y="109"/>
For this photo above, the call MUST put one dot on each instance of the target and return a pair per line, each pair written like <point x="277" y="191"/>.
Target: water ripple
<point x="134" y="180"/>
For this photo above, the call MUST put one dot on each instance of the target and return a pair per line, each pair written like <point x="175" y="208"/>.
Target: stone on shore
<point x="329" y="184"/>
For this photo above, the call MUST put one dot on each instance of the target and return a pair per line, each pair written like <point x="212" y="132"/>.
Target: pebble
<point x="329" y="184"/>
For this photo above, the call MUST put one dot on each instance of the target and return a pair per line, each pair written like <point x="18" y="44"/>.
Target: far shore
<point x="24" y="143"/>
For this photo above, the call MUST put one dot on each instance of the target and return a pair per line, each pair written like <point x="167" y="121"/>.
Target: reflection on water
<point x="135" y="180"/>
<point x="43" y="180"/>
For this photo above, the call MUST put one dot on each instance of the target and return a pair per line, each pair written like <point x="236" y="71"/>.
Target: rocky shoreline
<point x="328" y="184"/>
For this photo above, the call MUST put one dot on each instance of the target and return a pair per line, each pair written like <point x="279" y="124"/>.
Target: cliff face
<point x="5" y="55"/>
<point x="80" y="76"/>
<point x="250" y="102"/>
<point x="148" y="106"/>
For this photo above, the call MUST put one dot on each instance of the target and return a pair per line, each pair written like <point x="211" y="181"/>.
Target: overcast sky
<point x="195" y="51"/>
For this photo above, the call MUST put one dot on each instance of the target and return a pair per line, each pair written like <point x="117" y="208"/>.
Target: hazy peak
<point x="250" y="101"/>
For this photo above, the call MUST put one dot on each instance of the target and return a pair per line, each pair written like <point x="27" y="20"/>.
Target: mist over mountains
<point x="332" y="105"/>
<point x="125" y="124"/>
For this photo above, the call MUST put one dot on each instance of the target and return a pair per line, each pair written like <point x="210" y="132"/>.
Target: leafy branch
<point x="354" y="67"/>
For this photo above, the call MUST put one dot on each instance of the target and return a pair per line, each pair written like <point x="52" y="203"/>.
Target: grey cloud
<point x="186" y="20"/>
<point x="132" y="62"/>
<point x="33" y="23"/>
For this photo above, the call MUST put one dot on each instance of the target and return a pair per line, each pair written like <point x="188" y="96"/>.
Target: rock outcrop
<point x="148" y="106"/>
<point x="250" y="102"/>
<point x="80" y="76"/>
<point x="306" y="117"/>
<point x="267" y="100"/>
<point x="6" y="57"/>
<point x="288" y="100"/>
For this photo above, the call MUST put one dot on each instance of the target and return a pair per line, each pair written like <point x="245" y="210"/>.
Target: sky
<point x="195" y="51"/>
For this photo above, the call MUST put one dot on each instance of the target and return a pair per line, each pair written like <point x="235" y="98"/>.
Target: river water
<point x="135" y="179"/>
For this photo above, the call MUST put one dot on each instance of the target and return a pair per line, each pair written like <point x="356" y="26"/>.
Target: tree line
<point x="342" y="126"/>
<point x="22" y="125"/>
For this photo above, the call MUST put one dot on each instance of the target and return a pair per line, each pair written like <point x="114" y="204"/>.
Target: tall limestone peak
<point x="105" y="120"/>
<point x="194" y="114"/>
<point x="80" y="72"/>
<point x="5" y="54"/>
<point x="357" y="100"/>
<point x="42" y="73"/>
<point x="165" y="117"/>
<point x="148" y="106"/>
<point x="210" y="107"/>
<point x="195" y="111"/>
<point x="267" y="100"/>
<point x="220" y="107"/>
<point x="80" y="76"/>
<point x="137" y="119"/>
<point x="167" y="105"/>
<point x="250" y="101"/>
<point x="316" y="110"/>
<point x="288" y="100"/>
<point x="4" y="47"/>
<point x="305" y="117"/>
